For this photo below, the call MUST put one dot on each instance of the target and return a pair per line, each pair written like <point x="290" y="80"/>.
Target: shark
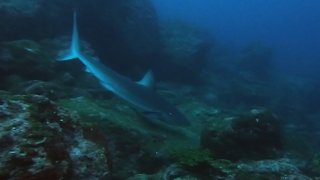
<point x="141" y="94"/>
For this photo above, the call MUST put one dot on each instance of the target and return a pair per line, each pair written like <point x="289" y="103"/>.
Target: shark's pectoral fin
<point x="147" y="80"/>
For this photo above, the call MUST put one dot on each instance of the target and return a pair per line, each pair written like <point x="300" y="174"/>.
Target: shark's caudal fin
<point x="74" y="51"/>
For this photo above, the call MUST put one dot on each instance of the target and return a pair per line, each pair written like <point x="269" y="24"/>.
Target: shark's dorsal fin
<point x="147" y="80"/>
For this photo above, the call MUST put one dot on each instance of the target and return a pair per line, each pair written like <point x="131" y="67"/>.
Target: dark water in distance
<point x="291" y="28"/>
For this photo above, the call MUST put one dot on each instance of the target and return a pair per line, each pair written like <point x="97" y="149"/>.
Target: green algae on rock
<point x="38" y="138"/>
<point x="27" y="60"/>
<point x="141" y="145"/>
<point x="192" y="157"/>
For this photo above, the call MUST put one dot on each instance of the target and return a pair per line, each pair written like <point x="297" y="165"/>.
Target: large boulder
<point x="257" y="135"/>
<point x="256" y="61"/>
<point x="184" y="51"/>
<point x="34" y="19"/>
<point x="125" y="33"/>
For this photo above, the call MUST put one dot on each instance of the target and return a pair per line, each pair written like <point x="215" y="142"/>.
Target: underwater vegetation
<point x="57" y="122"/>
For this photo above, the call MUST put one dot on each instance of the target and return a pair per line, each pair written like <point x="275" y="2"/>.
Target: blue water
<point x="291" y="28"/>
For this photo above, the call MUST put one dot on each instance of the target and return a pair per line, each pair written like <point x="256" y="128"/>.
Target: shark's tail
<point x="74" y="51"/>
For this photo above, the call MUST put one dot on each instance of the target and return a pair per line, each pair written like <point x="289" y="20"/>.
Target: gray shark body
<point x="140" y="94"/>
